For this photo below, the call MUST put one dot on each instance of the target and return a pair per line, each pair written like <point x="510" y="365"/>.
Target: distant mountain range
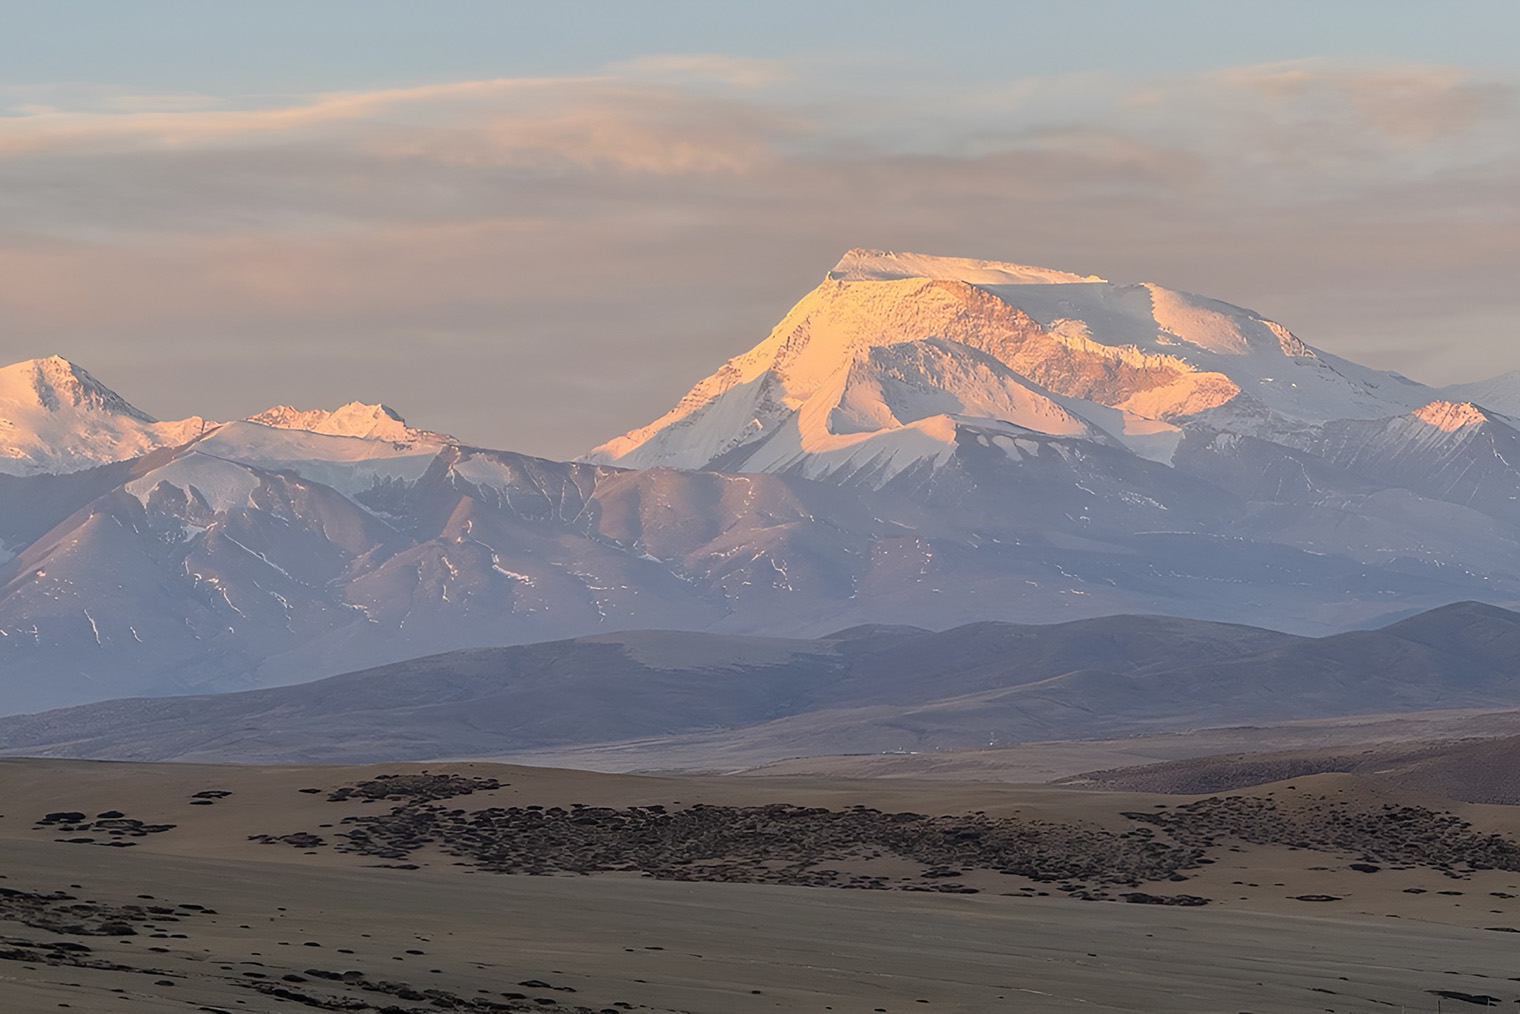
<point x="922" y="440"/>
<point x="864" y="690"/>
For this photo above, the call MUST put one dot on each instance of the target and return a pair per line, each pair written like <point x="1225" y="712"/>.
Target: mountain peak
<point x="54" y="384"/>
<point x="355" y="419"/>
<point x="56" y="417"/>
<point x="861" y="265"/>
<point x="891" y="341"/>
<point x="1450" y="415"/>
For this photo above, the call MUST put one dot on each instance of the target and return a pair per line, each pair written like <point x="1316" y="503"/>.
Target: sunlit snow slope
<point x="55" y="417"/>
<point x="874" y="367"/>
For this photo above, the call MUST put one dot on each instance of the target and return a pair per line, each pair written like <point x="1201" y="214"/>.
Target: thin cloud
<point x="1411" y="103"/>
<point x="686" y="68"/>
<point x="591" y="121"/>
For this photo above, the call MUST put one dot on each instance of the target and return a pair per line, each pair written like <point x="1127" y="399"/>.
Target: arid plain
<point x="430" y="889"/>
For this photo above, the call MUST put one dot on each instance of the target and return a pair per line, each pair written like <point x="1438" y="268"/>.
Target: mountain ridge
<point x="56" y="417"/>
<point x="879" y="690"/>
<point x="906" y="447"/>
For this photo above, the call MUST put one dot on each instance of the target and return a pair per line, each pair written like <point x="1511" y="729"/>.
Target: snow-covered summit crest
<point x="1145" y="358"/>
<point x="862" y="265"/>
<point x="56" y="385"/>
<point x="56" y="417"/>
<point x="355" y="419"/>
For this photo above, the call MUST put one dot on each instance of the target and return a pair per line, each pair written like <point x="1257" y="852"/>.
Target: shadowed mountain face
<point x="925" y="441"/>
<point x="868" y="689"/>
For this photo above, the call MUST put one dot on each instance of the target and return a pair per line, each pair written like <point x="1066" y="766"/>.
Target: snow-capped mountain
<point x="873" y="370"/>
<point x="356" y="419"/>
<point x="55" y="417"/>
<point x="921" y="440"/>
<point x="1450" y="451"/>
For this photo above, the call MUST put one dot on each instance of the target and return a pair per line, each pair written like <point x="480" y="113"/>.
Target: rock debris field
<point x="781" y="843"/>
<point x="476" y="888"/>
<point x="1400" y="836"/>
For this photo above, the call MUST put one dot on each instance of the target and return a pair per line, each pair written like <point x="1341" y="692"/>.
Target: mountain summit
<point x="356" y="419"/>
<point x="878" y="366"/>
<point x="55" y="417"/>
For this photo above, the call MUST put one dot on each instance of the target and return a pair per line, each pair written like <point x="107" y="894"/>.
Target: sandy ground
<point x="621" y="942"/>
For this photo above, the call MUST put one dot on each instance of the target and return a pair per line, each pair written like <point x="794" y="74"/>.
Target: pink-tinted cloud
<point x="636" y="126"/>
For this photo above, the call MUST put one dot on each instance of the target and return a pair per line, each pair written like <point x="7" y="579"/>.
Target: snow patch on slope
<point x="348" y="464"/>
<point x="1153" y="439"/>
<point x="880" y="455"/>
<point x="1192" y="320"/>
<point x="893" y="407"/>
<point x="892" y="385"/>
<point x="219" y="484"/>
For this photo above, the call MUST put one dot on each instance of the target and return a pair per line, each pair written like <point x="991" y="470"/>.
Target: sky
<point x="534" y="226"/>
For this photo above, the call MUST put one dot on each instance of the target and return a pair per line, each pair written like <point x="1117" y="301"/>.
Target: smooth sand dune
<point x="616" y="942"/>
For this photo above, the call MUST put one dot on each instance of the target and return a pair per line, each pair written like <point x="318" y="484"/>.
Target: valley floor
<point x="222" y="921"/>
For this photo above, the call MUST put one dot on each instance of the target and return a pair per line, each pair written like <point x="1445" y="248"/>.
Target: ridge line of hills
<point x="746" y="700"/>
